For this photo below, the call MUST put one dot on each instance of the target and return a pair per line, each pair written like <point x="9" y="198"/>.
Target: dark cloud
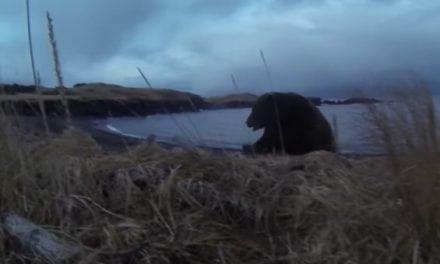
<point x="288" y="3"/>
<point x="98" y="29"/>
<point x="313" y="46"/>
<point x="217" y="8"/>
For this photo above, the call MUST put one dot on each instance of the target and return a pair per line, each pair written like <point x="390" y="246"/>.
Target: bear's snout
<point x="250" y="122"/>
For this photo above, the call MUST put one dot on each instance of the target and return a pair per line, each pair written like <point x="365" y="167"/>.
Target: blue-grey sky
<point x="315" y="47"/>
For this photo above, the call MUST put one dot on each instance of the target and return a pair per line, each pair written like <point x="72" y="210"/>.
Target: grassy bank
<point x="151" y="205"/>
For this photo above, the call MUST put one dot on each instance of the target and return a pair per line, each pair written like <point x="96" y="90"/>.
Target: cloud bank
<point x="316" y="47"/>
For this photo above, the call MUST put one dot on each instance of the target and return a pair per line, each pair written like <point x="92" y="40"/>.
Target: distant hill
<point x="104" y="100"/>
<point x="243" y="100"/>
<point x="117" y="92"/>
<point x="352" y="100"/>
<point x="239" y="100"/>
<point x="100" y="99"/>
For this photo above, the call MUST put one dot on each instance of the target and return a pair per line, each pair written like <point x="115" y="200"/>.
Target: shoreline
<point x="110" y="141"/>
<point x="113" y="141"/>
<point x="107" y="140"/>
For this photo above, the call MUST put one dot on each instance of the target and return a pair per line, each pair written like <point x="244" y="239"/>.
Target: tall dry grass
<point x="275" y="104"/>
<point x="57" y="68"/>
<point x="34" y="71"/>
<point x="407" y="130"/>
<point x="151" y="205"/>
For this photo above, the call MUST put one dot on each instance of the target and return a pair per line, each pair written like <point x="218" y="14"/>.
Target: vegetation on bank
<point x="151" y="205"/>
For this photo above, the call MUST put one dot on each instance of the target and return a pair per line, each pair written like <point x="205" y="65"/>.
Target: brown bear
<point x="292" y="125"/>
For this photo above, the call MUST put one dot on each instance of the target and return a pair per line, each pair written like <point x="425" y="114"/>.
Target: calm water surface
<point x="227" y="129"/>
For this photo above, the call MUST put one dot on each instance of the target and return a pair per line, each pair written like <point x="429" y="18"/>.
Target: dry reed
<point x="57" y="69"/>
<point x="34" y="71"/>
<point x="406" y="128"/>
<point x="151" y="205"/>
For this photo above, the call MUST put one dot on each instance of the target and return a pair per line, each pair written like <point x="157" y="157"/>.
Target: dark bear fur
<point x="303" y="127"/>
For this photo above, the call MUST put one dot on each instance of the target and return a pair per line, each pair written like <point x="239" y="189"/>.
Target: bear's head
<point x="262" y="112"/>
<point x="289" y="108"/>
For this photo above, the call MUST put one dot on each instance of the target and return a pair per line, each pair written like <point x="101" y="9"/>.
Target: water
<point x="227" y="129"/>
<point x="216" y="128"/>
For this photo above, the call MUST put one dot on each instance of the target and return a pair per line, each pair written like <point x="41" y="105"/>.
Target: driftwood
<point x="36" y="240"/>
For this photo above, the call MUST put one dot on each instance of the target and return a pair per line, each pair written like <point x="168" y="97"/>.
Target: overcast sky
<point x="315" y="47"/>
